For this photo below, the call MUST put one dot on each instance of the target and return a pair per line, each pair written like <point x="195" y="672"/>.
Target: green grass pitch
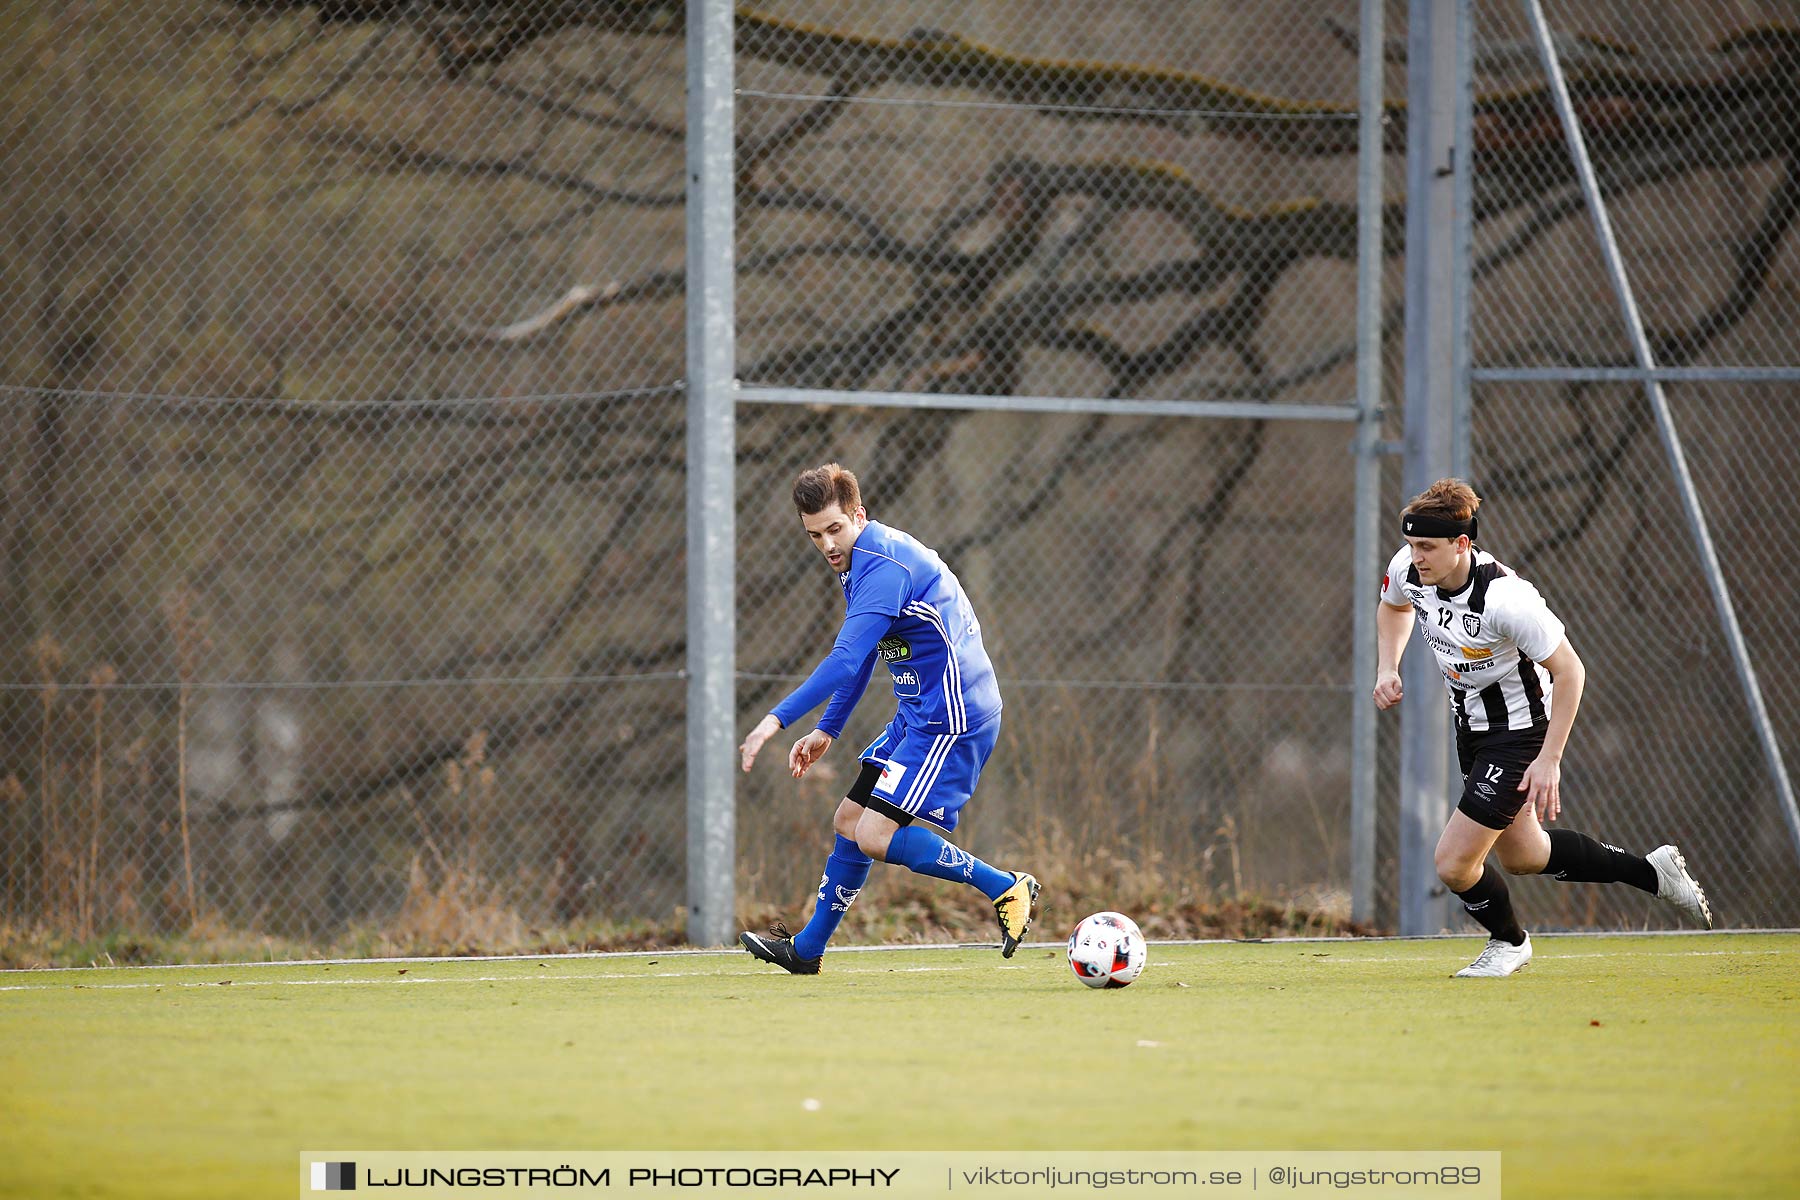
<point x="1615" y="1066"/>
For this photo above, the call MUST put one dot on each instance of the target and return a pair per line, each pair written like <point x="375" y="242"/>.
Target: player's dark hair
<point x="1447" y="499"/>
<point x="818" y="489"/>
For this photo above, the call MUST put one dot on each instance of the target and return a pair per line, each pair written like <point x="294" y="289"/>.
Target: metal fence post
<point x="711" y="461"/>
<point x="1462" y="232"/>
<point x="1433" y="159"/>
<point x="1367" y="537"/>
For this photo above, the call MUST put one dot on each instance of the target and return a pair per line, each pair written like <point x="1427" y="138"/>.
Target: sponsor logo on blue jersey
<point x="893" y="649"/>
<point x="906" y="682"/>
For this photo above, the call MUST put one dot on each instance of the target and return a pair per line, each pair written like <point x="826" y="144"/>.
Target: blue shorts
<point x="925" y="776"/>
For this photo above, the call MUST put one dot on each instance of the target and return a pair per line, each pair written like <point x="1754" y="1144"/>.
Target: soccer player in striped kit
<point x="1501" y="651"/>
<point x="904" y="607"/>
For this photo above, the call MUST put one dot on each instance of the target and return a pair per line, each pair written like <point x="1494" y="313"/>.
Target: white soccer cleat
<point x="1497" y="960"/>
<point x="1676" y="887"/>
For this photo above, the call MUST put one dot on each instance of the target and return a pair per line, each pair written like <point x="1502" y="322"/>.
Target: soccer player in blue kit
<point x="903" y="606"/>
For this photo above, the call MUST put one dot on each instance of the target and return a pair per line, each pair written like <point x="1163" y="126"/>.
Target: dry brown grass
<point x="456" y="913"/>
<point x="1182" y="882"/>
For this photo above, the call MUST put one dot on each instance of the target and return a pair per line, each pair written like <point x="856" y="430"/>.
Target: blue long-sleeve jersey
<point x="905" y="607"/>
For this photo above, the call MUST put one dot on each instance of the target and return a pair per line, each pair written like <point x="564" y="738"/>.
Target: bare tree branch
<point x="293" y="108"/>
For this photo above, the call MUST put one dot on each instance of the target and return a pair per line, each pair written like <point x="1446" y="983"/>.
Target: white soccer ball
<point x="1107" y="950"/>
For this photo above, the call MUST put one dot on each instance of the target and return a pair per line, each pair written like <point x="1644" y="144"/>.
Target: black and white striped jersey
<point x="1489" y="638"/>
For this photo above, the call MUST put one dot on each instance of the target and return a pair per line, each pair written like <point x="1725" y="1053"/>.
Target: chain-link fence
<point x="1026" y="201"/>
<point x="1691" y="117"/>
<point x="1154" y="716"/>
<point x="342" y="537"/>
<point x="344" y="472"/>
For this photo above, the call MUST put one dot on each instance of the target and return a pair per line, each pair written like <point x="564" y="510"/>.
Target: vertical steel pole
<point x="711" y="485"/>
<point x="1461" y="236"/>
<point x="1431" y="165"/>
<point x="1366" y="538"/>
<point x="1665" y="425"/>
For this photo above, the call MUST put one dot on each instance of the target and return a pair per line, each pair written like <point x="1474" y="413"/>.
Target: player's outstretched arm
<point x="843" y="701"/>
<point x="848" y="662"/>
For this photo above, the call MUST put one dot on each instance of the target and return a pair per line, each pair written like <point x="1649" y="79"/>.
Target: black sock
<point x="1578" y="858"/>
<point x="1490" y="902"/>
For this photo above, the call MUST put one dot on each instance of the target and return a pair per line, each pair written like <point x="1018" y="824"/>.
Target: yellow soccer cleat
<point x="1015" y="907"/>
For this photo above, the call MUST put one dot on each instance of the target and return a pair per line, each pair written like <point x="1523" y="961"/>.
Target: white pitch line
<point x="1556" y="957"/>
<point x="1332" y="960"/>
<point x="263" y="983"/>
<point x="727" y="951"/>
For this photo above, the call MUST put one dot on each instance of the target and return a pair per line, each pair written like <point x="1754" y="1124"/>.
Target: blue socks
<point x="917" y="849"/>
<point x="924" y="852"/>
<point x="845" y="872"/>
